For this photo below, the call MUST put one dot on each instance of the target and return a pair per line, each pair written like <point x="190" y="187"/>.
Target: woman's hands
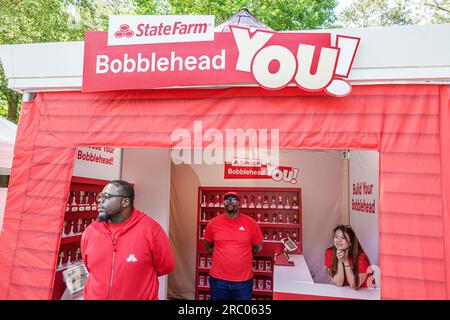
<point x="342" y="255"/>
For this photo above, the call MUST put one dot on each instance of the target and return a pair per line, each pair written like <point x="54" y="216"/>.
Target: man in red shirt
<point x="232" y="239"/>
<point x="124" y="251"/>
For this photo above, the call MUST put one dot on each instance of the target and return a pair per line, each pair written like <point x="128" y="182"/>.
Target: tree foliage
<point x="27" y="21"/>
<point x="439" y="10"/>
<point x="278" y="15"/>
<point x="9" y="99"/>
<point x="31" y="21"/>
<point x="375" y="13"/>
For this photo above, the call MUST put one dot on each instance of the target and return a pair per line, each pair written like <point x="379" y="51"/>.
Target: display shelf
<point x="80" y="212"/>
<point x="262" y="273"/>
<point x="288" y="223"/>
<point x="66" y="266"/>
<point x="267" y="225"/>
<point x="251" y="209"/>
<point x="203" y="288"/>
<point x="262" y="292"/>
<point x="277" y="225"/>
<point x="278" y="242"/>
<point x="255" y="291"/>
<point x="70" y="239"/>
<point x="255" y="272"/>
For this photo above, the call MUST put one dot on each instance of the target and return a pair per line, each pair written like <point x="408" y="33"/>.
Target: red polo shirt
<point x="233" y="242"/>
<point x="363" y="265"/>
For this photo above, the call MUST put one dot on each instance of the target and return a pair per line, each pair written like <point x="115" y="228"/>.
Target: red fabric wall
<point x="407" y="124"/>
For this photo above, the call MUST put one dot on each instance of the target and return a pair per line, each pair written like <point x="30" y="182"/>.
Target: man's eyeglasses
<point x="229" y="200"/>
<point x="106" y="196"/>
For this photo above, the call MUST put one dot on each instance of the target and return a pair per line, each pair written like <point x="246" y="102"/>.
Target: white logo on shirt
<point x="242" y="228"/>
<point x="131" y="258"/>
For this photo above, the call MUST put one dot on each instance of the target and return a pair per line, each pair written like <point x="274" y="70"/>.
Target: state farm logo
<point x="124" y="31"/>
<point x="148" y="30"/>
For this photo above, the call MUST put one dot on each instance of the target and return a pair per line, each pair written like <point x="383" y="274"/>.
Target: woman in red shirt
<point x="346" y="262"/>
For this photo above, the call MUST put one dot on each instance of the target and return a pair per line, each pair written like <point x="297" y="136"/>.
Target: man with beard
<point x="232" y="239"/>
<point x="124" y="251"/>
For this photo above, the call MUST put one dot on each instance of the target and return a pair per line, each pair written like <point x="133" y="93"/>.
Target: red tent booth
<point x="399" y="106"/>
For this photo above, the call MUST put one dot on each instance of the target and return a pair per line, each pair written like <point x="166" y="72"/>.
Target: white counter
<point x="286" y="277"/>
<point x="296" y="283"/>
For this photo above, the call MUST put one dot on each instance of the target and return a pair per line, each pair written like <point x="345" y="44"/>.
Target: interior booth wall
<point x="320" y="178"/>
<point x="149" y="170"/>
<point x="363" y="189"/>
<point x="407" y="124"/>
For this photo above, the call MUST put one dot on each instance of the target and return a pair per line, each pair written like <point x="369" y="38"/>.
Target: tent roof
<point x="395" y="54"/>
<point x="7" y="130"/>
<point x="242" y="18"/>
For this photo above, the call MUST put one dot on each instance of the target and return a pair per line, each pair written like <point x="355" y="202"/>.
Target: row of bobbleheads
<point x="276" y="236"/>
<point x="262" y="284"/>
<point x="215" y="201"/>
<point x="258" y="282"/>
<point x="81" y="225"/>
<point x="82" y="201"/>
<point x="257" y="264"/>
<point x="276" y="218"/>
<point x="72" y="257"/>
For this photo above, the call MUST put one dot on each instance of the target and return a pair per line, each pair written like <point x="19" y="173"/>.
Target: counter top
<point x="283" y="276"/>
<point x="289" y="282"/>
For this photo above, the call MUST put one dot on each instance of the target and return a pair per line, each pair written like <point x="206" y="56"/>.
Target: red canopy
<point x="407" y="124"/>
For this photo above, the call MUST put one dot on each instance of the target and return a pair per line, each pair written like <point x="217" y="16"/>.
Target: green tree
<point x="375" y="13"/>
<point x="439" y="10"/>
<point x="93" y="14"/>
<point x="9" y="99"/>
<point x="278" y="15"/>
<point x="3" y="106"/>
<point x="31" y="21"/>
<point x="150" y="7"/>
<point x="26" y="21"/>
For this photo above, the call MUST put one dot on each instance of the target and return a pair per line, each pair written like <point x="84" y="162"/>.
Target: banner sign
<point x="364" y="206"/>
<point x="98" y="163"/>
<point x="363" y="183"/>
<point x="271" y="59"/>
<point x="253" y="169"/>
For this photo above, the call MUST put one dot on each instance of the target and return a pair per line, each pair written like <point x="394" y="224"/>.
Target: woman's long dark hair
<point x="354" y="251"/>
